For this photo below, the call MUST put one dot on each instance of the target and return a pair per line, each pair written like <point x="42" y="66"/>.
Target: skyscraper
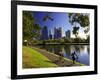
<point x="44" y="33"/>
<point x="67" y="33"/>
<point x="50" y="35"/>
<point x="57" y="33"/>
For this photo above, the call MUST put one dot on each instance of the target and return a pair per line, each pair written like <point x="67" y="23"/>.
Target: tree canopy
<point x="30" y="29"/>
<point x="75" y="31"/>
<point x="82" y="19"/>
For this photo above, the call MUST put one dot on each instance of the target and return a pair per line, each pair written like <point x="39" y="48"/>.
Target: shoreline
<point x="62" y="44"/>
<point x="53" y="57"/>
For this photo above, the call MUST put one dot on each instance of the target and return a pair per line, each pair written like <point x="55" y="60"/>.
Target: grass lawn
<point x="34" y="59"/>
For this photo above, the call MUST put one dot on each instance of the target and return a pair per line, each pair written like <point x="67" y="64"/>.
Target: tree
<point x="28" y="21"/>
<point x="82" y="19"/>
<point x="88" y="38"/>
<point x="36" y="31"/>
<point x="75" y="31"/>
<point x="30" y="29"/>
<point x="47" y="17"/>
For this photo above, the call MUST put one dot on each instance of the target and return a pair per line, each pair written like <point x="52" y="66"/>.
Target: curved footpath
<point x="55" y="59"/>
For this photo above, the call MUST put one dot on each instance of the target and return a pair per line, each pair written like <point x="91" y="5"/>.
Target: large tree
<point x="30" y="29"/>
<point x="28" y="22"/>
<point x="79" y="18"/>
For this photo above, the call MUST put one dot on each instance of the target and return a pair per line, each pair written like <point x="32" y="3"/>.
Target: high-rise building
<point x="44" y="33"/>
<point x="50" y="35"/>
<point x="67" y="33"/>
<point x="57" y="33"/>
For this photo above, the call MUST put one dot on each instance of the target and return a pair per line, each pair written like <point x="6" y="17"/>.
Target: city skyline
<point x="59" y="19"/>
<point x="46" y="34"/>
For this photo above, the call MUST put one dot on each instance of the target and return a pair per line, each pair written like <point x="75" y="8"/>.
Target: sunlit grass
<point x="34" y="59"/>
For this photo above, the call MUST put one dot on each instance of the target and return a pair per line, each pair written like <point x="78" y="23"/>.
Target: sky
<point x="60" y="19"/>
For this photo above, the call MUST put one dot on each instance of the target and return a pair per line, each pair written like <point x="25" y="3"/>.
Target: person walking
<point x="74" y="57"/>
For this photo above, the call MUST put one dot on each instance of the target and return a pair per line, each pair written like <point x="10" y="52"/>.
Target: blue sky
<point x="60" y="20"/>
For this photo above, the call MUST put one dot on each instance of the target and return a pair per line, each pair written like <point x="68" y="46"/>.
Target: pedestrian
<point x="74" y="57"/>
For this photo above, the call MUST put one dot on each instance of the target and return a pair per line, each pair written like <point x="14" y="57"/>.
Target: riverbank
<point x="55" y="58"/>
<point x="34" y="59"/>
<point x="62" y="44"/>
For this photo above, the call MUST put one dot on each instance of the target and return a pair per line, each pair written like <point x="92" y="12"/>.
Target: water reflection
<point x="81" y="50"/>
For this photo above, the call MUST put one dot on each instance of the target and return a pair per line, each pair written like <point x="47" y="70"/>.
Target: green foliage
<point x="61" y="41"/>
<point x="28" y="21"/>
<point x="36" y="31"/>
<point x="75" y="31"/>
<point x="30" y="29"/>
<point x="88" y="39"/>
<point x="82" y="19"/>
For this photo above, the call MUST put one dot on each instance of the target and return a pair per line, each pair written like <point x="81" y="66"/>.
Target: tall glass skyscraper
<point x="44" y="33"/>
<point x="50" y="35"/>
<point x="67" y="34"/>
<point x="57" y="33"/>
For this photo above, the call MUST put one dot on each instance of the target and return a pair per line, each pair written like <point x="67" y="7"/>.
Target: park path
<point x="55" y="58"/>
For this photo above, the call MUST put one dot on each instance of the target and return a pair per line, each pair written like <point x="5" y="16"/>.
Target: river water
<point x="82" y="51"/>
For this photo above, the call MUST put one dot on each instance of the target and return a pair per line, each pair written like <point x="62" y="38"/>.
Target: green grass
<point x="34" y="59"/>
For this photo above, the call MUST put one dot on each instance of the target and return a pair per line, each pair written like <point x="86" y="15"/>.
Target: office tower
<point x="67" y="33"/>
<point x="50" y="35"/>
<point x="44" y="33"/>
<point x="57" y="33"/>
